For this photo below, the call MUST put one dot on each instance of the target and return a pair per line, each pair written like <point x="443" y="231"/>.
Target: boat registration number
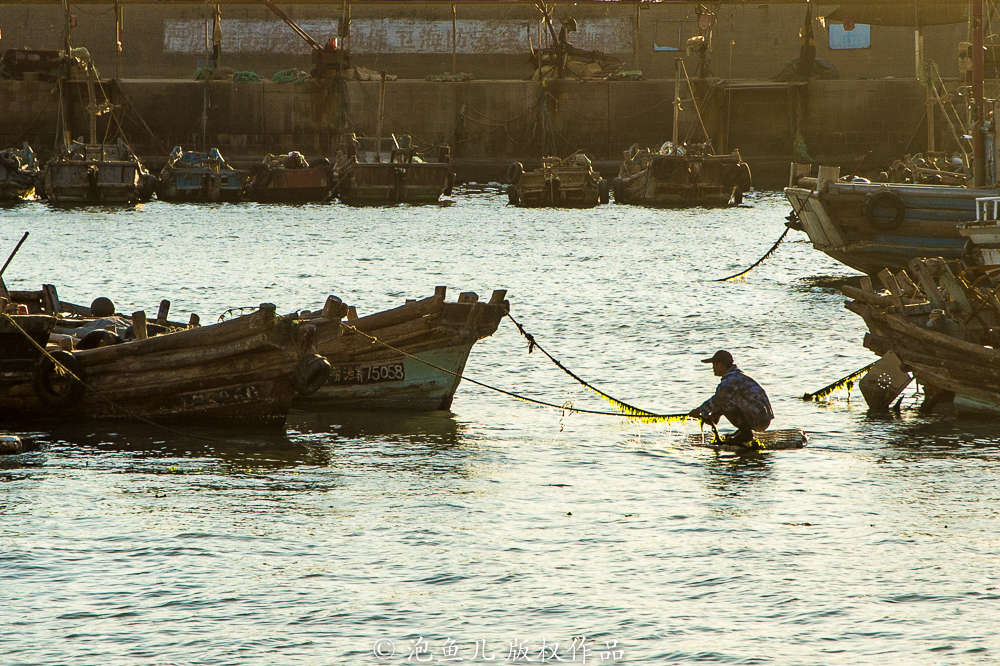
<point x="366" y="374"/>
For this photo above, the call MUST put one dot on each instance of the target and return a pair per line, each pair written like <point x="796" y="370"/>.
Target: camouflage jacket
<point x="741" y="400"/>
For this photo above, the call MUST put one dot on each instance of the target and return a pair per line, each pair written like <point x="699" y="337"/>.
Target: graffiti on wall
<point x="396" y="36"/>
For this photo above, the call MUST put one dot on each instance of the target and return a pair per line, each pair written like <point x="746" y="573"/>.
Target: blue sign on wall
<point x="859" y="38"/>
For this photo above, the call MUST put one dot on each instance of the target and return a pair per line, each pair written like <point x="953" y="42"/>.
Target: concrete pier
<point x="488" y="124"/>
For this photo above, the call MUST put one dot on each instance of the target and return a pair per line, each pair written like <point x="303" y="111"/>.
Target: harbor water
<point x="499" y="527"/>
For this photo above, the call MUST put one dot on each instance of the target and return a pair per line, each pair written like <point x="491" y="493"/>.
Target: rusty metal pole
<point x="454" y="39"/>
<point x="978" y="113"/>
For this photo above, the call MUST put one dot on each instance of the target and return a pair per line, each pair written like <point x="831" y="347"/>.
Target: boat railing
<point x="987" y="209"/>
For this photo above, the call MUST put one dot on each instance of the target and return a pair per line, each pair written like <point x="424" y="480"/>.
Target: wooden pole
<point x="635" y="55"/>
<point x="978" y="107"/>
<point x="454" y="39"/>
<point x="677" y="100"/>
<point x="119" y="27"/>
<point x="378" y="127"/>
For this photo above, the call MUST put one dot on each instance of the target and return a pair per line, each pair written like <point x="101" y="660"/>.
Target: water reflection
<point x="427" y="428"/>
<point x="266" y="449"/>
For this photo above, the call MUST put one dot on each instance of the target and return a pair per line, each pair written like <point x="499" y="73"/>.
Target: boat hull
<point x="557" y="188"/>
<point x="398" y="382"/>
<point x="236" y="372"/>
<point x="393" y="182"/>
<point x="684" y="180"/>
<point x="278" y="184"/>
<point x="91" y="182"/>
<point x="201" y="185"/>
<point x="838" y="224"/>
<point x="406" y="358"/>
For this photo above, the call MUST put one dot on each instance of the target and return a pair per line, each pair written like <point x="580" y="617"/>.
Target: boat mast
<point x="978" y="108"/>
<point x="677" y="99"/>
<point x="378" y="128"/>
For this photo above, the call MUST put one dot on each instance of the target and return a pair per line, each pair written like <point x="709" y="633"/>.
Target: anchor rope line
<point x="767" y="255"/>
<point x="844" y="382"/>
<point x="641" y="416"/>
<point x="624" y="409"/>
<point x="63" y="370"/>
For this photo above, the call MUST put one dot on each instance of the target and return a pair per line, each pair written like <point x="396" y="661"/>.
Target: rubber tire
<point x="744" y="180"/>
<point x="99" y="338"/>
<point x="45" y="372"/>
<point x="603" y="191"/>
<point x="515" y="172"/>
<point x="884" y="199"/>
<point x="512" y="195"/>
<point x="311" y="375"/>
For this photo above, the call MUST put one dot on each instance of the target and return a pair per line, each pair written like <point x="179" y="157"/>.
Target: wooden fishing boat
<point x="681" y="175"/>
<point x="378" y="171"/>
<point x="871" y="226"/>
<point x="941" y="320"/>
<point x="393" y="173"/>
<point x="95" y="173"/>
<point x="18" y="171"/>
<point x="241" y="372"/>
<point x="290" y="178"/>
<point x="559" y="183"/>
<point x="199" y="177"/>
<point x="408" y="358"/>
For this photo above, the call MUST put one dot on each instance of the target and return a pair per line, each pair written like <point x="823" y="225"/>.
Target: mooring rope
<point x="844" y="382"/>
<point x="63" y="370"/>
<point x="636" y="414"/>
<point x="624" y="409"/>
<point x="767" y="255"/>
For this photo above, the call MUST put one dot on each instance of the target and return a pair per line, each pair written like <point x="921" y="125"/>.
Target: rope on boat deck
<point x="767" y="255"/>
<point x="627" y="411"/>
<point x="63" y="370"/>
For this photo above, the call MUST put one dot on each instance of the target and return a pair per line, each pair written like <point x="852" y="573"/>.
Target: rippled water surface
<point x="499" y="523"/>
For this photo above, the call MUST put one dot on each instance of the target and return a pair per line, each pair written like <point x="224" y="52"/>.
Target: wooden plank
<point x="161" y="314"/>
<point x="942" y="340"/>
<point x="139" y="325"/>
<point x="866" y="284"/>
<point x="906" y="285"/>
<point x="929" y="285"/>
<point x="956" y="290"/>
<point x="258" y="322"/>
<point x="498" y="296"/>
<point x="889" y="280"/>
<point x="50" y="300"/>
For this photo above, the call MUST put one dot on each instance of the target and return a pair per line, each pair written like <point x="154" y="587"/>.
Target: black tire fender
<point x="512" y="195"/>
<point x="46" y="376"/>
<point x="310" y="375"/>
<point x="884" y="199"/>
<point x="744" y="180"/>
<point x="514" y="172"/>
<point x="98" y="338"/>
